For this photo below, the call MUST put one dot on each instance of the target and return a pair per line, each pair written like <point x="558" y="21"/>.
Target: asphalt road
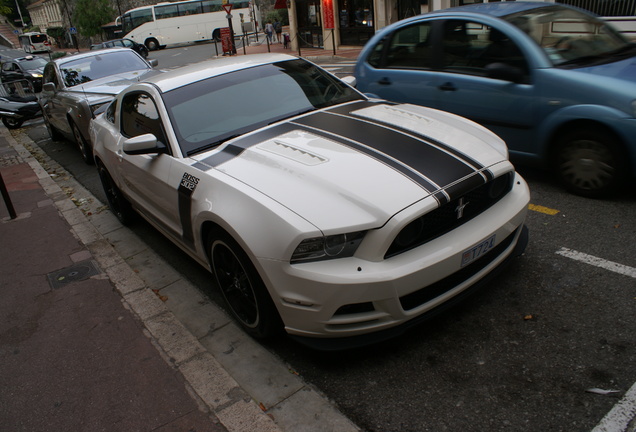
<point x="520" y="355"/>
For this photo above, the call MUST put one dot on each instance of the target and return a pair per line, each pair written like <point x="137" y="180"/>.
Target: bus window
<point x="189" y="8"/>
<point x="135" y="18"/>
<point x="168" y="11"/>
<point x="211" y="6"/>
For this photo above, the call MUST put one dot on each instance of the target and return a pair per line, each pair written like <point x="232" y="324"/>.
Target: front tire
<point x="118" y="204"/>
<point x="53" y="133"/>
<point x="242" y="288"/>
<point x="589" y="162"/>
<point x="83" y="146"/>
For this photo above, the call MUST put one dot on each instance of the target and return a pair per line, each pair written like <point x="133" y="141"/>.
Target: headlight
<point x="329" y="247"/>
<point x="36" y="75"/>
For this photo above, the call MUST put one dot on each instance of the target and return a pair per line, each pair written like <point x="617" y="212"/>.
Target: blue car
<point x="555" y="82"/>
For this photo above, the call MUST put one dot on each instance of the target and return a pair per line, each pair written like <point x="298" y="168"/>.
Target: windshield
<point x="85" y="69"/>
<point x="206" y="113"/>
<point x="569" y="36"/>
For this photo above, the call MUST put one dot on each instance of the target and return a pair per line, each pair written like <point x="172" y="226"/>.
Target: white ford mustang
<point x="342" y="219"/>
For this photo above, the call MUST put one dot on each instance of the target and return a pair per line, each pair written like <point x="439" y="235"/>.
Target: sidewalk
<point x="73" y="356"/>
<point x="99" y="333"/>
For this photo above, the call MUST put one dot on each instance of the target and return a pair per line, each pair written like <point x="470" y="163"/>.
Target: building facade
<point x="333" y="23"/>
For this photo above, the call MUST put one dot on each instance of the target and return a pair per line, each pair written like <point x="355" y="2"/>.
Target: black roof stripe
<point x="417" y="178"/>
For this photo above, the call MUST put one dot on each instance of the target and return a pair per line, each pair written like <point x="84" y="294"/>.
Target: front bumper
<point x="358" y="299"/>
<point x="352" y="342"/>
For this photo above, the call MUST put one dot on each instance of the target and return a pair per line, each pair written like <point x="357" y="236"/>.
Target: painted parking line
<point x="621" y="416"/>
<point x="598" y="262"/>
<point x="542" y="209"/>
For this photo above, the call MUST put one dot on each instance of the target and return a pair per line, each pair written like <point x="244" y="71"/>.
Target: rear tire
<point x="590" y="162"/>
<point x="12" y="123"/>
<point x="242" y="288"/>
<point x="152" y="44"/>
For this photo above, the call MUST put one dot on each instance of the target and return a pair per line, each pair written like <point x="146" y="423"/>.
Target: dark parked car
<point x="29" y="68"/>
<point x="556" y="83"/>
<point x="123" y="43"/>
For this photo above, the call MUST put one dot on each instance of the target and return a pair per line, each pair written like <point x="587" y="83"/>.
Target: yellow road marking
<point x="542" y="209"/>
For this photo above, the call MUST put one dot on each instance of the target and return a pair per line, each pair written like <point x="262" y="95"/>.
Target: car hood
<point x="113" y="84"/>
<point x="623" y="69"/>
<point x="359" y="164"/>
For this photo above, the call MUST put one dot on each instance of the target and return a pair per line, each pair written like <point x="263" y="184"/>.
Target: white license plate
<point x="475" y="252"/>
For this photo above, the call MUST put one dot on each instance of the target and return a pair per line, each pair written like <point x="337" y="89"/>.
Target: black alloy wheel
<point x="242" y="287"/>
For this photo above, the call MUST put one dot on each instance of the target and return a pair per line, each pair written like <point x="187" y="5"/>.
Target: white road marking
<point x="620" y="417"/>
<point x="598" y="262"/>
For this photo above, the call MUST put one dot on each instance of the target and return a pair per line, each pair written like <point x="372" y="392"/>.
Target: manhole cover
<point x="77" y="272"/>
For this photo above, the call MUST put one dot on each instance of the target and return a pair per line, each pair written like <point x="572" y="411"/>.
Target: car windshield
<point x="33" y="64"/>
<point x="85" y="69"/>
<point x="570" y="37"/>
<point x="208" y="112"/>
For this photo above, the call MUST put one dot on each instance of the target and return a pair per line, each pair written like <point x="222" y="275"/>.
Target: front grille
<point x="426" y="294"/>
<point x="451" y="215"/>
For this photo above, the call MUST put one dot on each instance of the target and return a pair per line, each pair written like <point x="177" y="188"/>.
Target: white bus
<point x="187" y="21"/>
<point x="34" y="42"/>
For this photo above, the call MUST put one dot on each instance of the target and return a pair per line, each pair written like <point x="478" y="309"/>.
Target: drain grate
<point x="77" y="272"/>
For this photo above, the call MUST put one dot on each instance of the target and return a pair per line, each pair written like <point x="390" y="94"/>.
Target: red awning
<point x="280" y="4"/>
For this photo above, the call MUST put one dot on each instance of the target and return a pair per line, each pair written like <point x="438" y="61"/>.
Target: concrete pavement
<point x="99" y="333"/>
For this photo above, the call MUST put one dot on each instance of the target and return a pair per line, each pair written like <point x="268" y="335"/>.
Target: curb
<point x="245" y="386"/>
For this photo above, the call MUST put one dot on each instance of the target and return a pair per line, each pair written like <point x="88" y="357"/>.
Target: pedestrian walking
<point x="269" y="30"/>
<point x="278" y="28"/>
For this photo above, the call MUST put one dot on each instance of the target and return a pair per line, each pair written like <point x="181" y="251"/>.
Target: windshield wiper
<point x="212" y="144"/>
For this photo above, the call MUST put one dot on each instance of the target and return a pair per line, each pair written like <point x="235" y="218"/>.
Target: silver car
<point x="75" y="87"/>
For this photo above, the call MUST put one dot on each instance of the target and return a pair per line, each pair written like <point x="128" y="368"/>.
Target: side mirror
<point x="504" y="72"/>
<point x="49" y="87"/>
<point x="153" y="62"/>
<point x="143" y="144"/>
<point x="350" y="79"/>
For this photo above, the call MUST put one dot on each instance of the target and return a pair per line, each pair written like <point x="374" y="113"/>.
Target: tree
<point x="91" y="15"/>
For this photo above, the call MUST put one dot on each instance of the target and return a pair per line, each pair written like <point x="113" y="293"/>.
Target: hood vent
<point x="294" y="153"/>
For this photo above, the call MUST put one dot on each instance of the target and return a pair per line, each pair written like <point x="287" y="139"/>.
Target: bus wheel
<point x="152" y="44"/>
<point x="216" y="35"/>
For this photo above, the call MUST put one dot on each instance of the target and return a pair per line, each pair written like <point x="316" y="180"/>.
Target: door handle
<point x="384" y="81"/>
<point x="448" y="86"/>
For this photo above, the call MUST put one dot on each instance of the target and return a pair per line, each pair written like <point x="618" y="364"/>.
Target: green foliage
<point x="281" y="15"/>
<point x="56" y="32"/>
<point x="90" y="15"/>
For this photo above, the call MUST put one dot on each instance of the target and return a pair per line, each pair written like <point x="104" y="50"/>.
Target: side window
<point x="7" y="66"/>
<point x="410" y="48"/>
<point x="139" y="115"/>
<point x="110" y="111"/>
<point x="470" y="47"/>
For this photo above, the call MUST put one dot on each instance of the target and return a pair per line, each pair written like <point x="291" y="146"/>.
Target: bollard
<point x="7" y="198"/>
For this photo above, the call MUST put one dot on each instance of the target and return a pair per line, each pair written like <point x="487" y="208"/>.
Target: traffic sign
<point x="227" y="8"/>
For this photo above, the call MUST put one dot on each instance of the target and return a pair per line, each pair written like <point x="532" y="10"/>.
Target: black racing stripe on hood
<point x="238" y="146"/>
<point x="433" y="163"/>
<point x="403" y="169"/>
<point x="349" y="110"/>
